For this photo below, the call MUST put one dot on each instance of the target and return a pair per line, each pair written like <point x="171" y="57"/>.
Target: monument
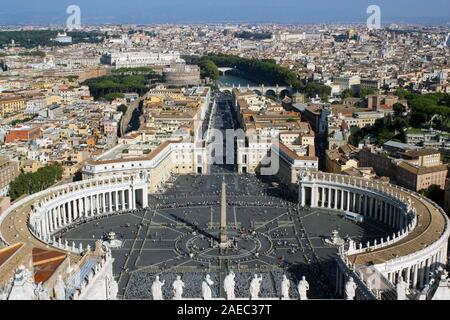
<point x="178" y="287"/>
<point x="224" y="243"/>
<point x="335" y="239"/>
<point x="285" y="286"/>
<point x="41" y="292"/>
<point x="111" y="241"/>
<point x="23" y="286"/>
<point x="303" y="287"/>
<point x="350" y="289"/>
<point x="157" y="289"/>
<point x="229" y="284"/>
<point x="255" y="287"/>
<point x="60" y="288"/>
<point x="206" y="288"/>
<point x="402" y="289"/>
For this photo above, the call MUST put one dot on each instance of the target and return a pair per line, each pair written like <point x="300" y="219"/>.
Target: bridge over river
<point x="262" y="89"/>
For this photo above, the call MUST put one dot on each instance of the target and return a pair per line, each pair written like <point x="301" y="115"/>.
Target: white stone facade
<point x="419" y="249"/>
<point x="62" y="206"/>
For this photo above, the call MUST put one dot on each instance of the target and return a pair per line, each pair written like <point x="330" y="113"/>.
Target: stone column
<point x="49" y="220"/>
<point x="144" y="199"/>
<point x="59" y="220"/>
<point x="83" y="206"/>
<point x="427" y="271"/>
<point x="329" y="198"/>
<point x="322" y="203"/>
<point x="42" y="229"/>
<point x="44" y="232"/>
<point x="443" y="259"/>
<point x="348" y="201"/>
<point x="313" y="196"/>
<point x="97" y="203"/>
<point x="70" y="208"/>
<point x="408" y="276"/>
<point x="342" y="200"/>
<point x="422" y="275"/>
<point x="64" y="215"/>
<point x="335" y="199"/>
<point x="123" y="200"/>
<point x="110" y="207"/>
<point x="433" y="263"/>
<point x="104" y="203"/>
<point x="109" y="201"/>
<point x="75" y="208"/>
<point x="86" y="205"/>
<point x="302" y="196"/>
<point x="360" y="205"/>
<point x="92" y="205"/>
<point x="415" y="274"/>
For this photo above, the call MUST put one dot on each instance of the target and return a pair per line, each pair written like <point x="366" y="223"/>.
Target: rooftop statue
<point x="402" y="289"/>
<point x="285" y="286"/>
<point x="350" y="289"/>
<point x="113" y="287"/>
<point x="23" y="286"/>
<point x="409" y="206"/>
<point x="157" y="289"/>
<point x="41" y="292"/>
<point x="178" y="287"/>
<point x="303" y="287"/>
<point x="255" y="287"/>
<point x="206" y="288"/>
<point x="229" y="284"/>
<point x="60" y="289"/>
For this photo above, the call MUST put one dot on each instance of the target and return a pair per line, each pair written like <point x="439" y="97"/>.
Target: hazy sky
<point x="198" y="11"/>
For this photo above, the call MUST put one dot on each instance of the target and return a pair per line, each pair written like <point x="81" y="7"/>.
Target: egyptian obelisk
<point x="223" y="217"/>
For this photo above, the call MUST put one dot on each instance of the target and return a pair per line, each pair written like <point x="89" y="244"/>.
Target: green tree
<point x="122" y="108"/>
<point x="399" y="109"/>
<point x="29" y="183"/>
<point x="347" y="94"/>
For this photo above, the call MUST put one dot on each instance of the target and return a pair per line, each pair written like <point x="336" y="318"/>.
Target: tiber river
<point x="229" y="80"/>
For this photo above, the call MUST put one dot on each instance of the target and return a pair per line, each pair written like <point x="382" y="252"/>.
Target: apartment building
<point x="12" y="105"/>
<point x="168" y="158"/>
<point x="23" y="133"/>
<point x="413" y="169"/>
<point x="135" y="59"/>
<point x="270" y="132"/>
<point x="9" y="170"/>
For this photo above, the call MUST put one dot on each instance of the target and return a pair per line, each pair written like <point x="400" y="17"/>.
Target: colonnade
<point x="389" y="205"/>
<point x="85" y="200"/>
<point x="417" y="272"/>
<point x="360" y="201"/>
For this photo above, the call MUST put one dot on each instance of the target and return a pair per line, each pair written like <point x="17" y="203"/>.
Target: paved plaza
<point x="175" y="236"/>
<point x="179" y="232"/>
